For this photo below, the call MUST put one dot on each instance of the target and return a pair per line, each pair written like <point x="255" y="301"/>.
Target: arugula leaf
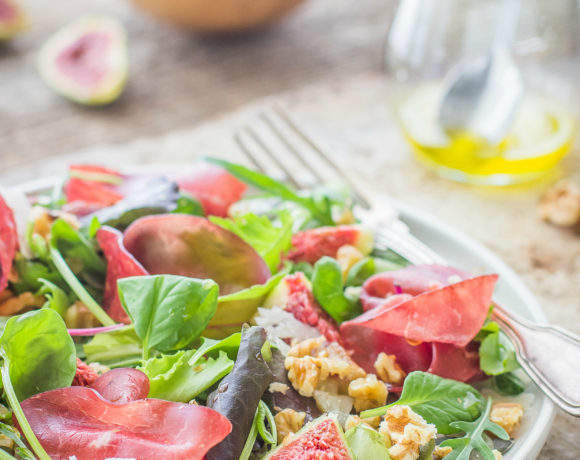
<point x="39" y="351"/>
<point x="366" y="443"/>
<point x="496" y="353"/>
<point x="474" y="437"/>
<point x="439" y="401"/>
<point x="508" y="384"/>
<point x="269" y="239"/>
<point x="172" y="378"/>
<point x="327" y="288"/>
<point x="56" y="298"/>
<point x="118" y="348"/>
<point x="39" y="355"/>
<point x="31" y="271"/>
<point x="318" y="207"/>
<point x="168" y="311"/>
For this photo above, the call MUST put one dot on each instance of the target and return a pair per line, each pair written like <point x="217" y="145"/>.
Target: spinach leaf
<point x="168" y="311"/>
<point x="258" y="291"/>
<point x="269" y="239"/>
<point x="439" y="401"/>
<point x="366" y="443"/>
<point x="118" y="348"/>
<point x="172" y="378"/>
<point x="155" y="196"/>
<point x="39" y="355"/>
<point x="508" y="384"/>
<point x="319" y="208"/>
<point x="360" y="272"/>
<point x="474" y="437"/>
<point x="327" y="288"/>
<point x="303" y="267"/>
<point x="240" y="392"/>
<point x="56" y="298"/>
<point x="31" y="271"/>
<point x="496" y="353"/>
<point x="39" y="351"/>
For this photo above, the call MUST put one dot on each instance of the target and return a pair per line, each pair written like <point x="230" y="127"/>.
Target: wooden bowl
<point x="218" y="15"/>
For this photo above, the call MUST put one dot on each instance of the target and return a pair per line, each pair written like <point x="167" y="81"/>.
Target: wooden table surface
<point x="179" y="80"/>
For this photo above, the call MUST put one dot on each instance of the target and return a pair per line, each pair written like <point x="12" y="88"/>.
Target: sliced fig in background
<point x="120" y="264"/>
<point x="94" y="185"/>
<point x="180" y="244"/>
<point x="86" y="61"/>
<point x="8" y="242"/>
<point x="12" y="19"/>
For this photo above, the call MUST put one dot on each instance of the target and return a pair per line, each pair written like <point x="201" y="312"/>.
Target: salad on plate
<point x="216" y="313"/>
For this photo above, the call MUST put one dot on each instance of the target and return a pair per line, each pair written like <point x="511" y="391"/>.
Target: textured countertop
<point x="350" y="119"/>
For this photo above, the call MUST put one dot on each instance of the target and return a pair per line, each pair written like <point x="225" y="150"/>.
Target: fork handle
<point x="550" y="355"/>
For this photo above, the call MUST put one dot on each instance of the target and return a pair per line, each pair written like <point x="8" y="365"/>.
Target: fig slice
<point x="12" y="19"/>
<point x="179" y="244"/>
<point x="86" y="61"/>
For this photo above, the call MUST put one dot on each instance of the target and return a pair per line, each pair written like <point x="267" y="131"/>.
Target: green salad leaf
<point x="168" y="311"/>
<point x="14" y="435"/>
<point x="210" y="347"/>
<point x="366" y="443"/>
<point x="172" y="378"/>
<point x="38" y="355"/>
<point x="319" y="208"/>
<point x="328" y="290"/>
<point x="474" y="437"/>
<point x="496" y="353"/>
<point x="508" y="384"/>
<point x="39" y="351"/>
<point x="187" y="204"/>
<point x="117" y="348"/>
<point x="56" y="298"/>
<point x="269" y="239"/>
<point x="439" y="401"/>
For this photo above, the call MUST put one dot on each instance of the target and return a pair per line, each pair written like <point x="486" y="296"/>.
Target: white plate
<point x="462" y="252"/>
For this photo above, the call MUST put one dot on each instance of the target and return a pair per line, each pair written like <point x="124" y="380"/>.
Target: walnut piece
<point x="507" y="415"/>
<point x="388" y="370"/>
<point x="347" y="256"/>
<point x="288" y="421"/>
<point x="21" y="303"/>
<point x="368" y="392"/>
<point x="405" y="431"/>
<point x="561" y="204"/>
<point x="440" y="452"/>
<point x="312" y="362"/>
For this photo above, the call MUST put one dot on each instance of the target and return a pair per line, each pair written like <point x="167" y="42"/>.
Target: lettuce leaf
<point x="366" y="443"/>
<point x="172" y="378"/>
<point x="269" y="239"/>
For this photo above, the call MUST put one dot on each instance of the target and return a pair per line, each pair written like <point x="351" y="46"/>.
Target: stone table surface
<point x="330" y="49"/>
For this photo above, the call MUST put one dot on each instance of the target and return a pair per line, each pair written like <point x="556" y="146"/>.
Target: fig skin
<point x="86" y="61"/>
<point x="10" y="27"/>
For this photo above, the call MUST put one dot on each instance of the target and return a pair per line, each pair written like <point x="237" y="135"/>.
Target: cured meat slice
<point x="77" y="421"/>
<point x="213" y="187"/>
<point x="8" y="242"/>
<point x="120" y="264"/>
<point x="122" y="385"/>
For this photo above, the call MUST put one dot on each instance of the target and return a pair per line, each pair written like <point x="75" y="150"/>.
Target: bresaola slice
<point x="78" y="421"/>
<point x="8" y="242"/>
<point x="122" y="385"/>
<point x="120" y="264"/>
<point x="426" y="322"/>
<point x="179" y="244"/>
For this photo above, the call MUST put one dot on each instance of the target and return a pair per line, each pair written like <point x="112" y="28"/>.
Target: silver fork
<point x="550" y="355"/>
